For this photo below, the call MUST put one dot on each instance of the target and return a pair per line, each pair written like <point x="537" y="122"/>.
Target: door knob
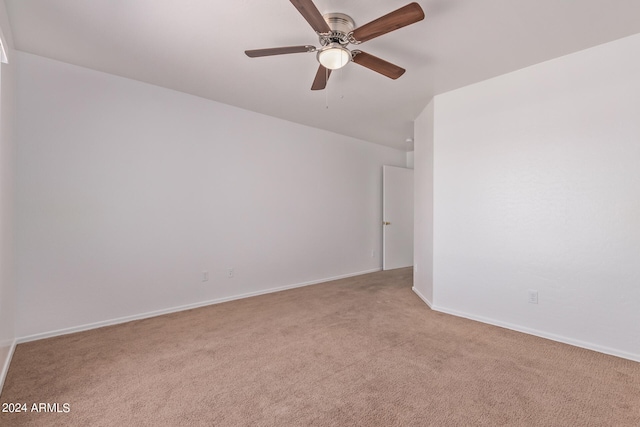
<point x="386" y="223"/>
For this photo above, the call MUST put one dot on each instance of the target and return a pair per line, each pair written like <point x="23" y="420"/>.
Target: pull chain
<point x="326" y="90"/>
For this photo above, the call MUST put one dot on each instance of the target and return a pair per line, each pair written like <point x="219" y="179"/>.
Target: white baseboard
<point x="7" y="363"/>
<point x="541" y="334"/>
<point x="155" y="313"/>
<point x="422" y="297"/>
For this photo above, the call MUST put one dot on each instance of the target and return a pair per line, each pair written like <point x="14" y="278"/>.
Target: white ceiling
<point x="197" y="47"/>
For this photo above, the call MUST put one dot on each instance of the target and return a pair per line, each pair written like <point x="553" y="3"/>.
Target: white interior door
<point x="397" y="217"/>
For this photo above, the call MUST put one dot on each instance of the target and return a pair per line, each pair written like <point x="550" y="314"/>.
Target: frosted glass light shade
<point x="334" y="56"/>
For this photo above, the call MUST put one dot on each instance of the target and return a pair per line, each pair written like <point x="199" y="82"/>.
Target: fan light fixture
<point x="334" y="56"/>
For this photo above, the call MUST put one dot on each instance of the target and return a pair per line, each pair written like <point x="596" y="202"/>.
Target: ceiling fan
<point x="336" y="31"/>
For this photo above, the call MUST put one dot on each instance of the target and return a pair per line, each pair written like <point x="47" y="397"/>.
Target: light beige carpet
<point x="363" y="351"/>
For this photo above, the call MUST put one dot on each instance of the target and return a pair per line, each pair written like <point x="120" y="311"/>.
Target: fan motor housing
<point x="341" y="25"/>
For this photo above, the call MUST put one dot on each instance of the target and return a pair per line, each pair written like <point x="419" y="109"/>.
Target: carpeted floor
<point x="363" y="351"/>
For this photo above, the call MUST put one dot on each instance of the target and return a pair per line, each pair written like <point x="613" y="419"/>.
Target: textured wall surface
<point x="127" y="192"/>
<point x="423" y="219"/>
<point x="536" y="188"/>
<point x="7" y="148"/>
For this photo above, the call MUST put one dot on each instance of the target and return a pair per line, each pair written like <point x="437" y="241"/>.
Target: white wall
<point x="537" y="186"/>
<point x="7" y="290"/>
<point x="423" y="205"/>
<point x="410" y="159"/>
<point x="127" y="192"/>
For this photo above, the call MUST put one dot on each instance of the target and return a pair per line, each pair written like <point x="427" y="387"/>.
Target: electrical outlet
<point x="373" y="253"/>
<point x="533" y="296"/>
<point x="205" y="276"/>
<point x="230" y="272"/>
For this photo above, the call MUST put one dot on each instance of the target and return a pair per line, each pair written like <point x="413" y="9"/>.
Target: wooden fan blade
<point x="320" y="82"/>
<point x="313" y="16"/>
<point x="402" y="17"/>
<point x="279" y="51"/>
<point x="378" y="65"/>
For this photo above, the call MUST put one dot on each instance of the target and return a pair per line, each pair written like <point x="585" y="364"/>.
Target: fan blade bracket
<point x="352" y="39"/>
